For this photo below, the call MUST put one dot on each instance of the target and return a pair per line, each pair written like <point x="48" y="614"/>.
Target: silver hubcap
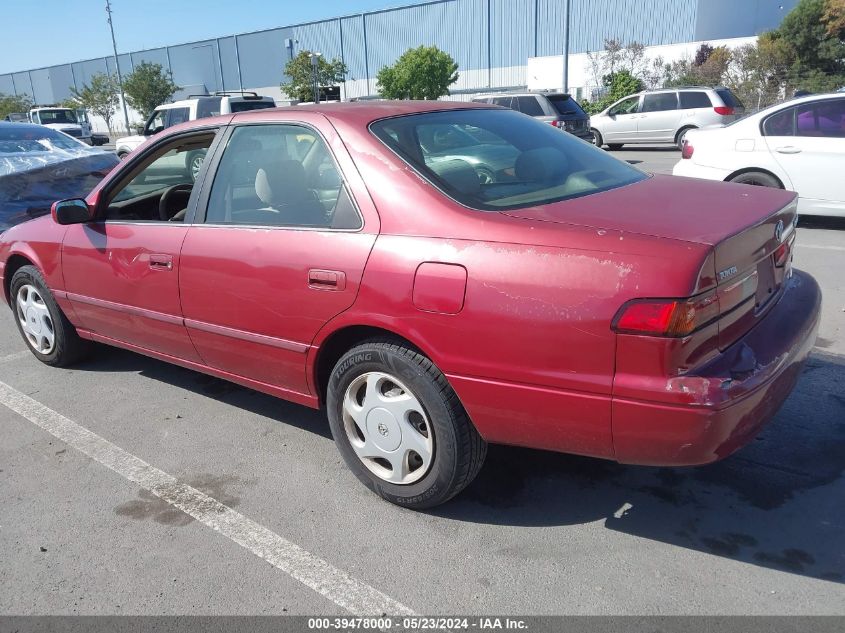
<point x="388" y="428"/>
<point x="196" y="164"/>
<point x="35" y="320"/>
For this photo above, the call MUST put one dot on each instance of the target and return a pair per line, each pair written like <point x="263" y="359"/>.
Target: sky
<point x="46" y="32"/>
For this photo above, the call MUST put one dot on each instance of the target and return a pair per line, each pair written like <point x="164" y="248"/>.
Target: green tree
<point x="300" y="74"/>
<point x="147" y="87"/>
<point x="14" y="103"/>
<point x="100" y="96"/>
<point x="425" y="72"/>
<point x="619" y="84"/>
<point x="811" y="36"/>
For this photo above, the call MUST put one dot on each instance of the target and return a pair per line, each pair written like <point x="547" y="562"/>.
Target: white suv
<point x="664" y="116"/>
<point x="195" y="107"/>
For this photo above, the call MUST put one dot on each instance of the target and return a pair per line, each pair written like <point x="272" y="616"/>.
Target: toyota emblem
<point x="779" y="230"/>
<point x="382" y="428"/>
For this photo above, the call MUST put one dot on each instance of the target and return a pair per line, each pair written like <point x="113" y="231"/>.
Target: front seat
<point x="280" y="184"/>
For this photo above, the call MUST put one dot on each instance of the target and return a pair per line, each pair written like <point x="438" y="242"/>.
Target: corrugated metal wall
<point x="490" y="39"/>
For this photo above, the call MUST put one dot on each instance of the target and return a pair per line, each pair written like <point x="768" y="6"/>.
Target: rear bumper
<point x="736" y="399"/>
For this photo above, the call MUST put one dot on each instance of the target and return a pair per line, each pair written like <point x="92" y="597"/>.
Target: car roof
<point x="24" y="126"/>
<point x="364" y="112"/>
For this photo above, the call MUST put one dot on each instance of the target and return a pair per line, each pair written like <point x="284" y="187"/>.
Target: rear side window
<point x="505" y="102"/>
<point x="279" y="175"/>
<point x="660" y="102"/>
<point x="245" y="106"/>
<point x="821" y="118"/>
<point x="691" y="100"/>
<point x="208" y="107"/>
<point x="529" y="106"/>
<point x="729" y="98"/>
<point x="492" y="160"/>
<point x="566" y="105"/>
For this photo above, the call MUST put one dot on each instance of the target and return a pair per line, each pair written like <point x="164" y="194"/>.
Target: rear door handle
<point x="788" y="149"/>
<point x="160" y="261"/>
<point x="326" y="279"/>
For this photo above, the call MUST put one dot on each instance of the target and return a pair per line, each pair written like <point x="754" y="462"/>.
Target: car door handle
<point x="161" y="262"/>
<point x="326" y="279"/>
<point x="788" y="149"/>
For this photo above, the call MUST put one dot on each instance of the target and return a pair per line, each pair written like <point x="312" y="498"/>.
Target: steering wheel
<point x="165" y="198"/>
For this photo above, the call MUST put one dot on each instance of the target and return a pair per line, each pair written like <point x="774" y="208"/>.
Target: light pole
<point x="117" y="65"/>
<point x="315" y="72"/>
<point x="566" y="47"/>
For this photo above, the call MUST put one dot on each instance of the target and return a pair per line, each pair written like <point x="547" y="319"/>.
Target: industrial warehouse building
<point x="496" y="43"/>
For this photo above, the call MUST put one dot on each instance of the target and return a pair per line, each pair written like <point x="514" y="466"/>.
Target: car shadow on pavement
<point x="110" y="359"/>
<point x="777" y="503"/>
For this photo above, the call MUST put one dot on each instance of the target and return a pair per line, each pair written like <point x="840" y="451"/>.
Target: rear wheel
<point x="682" y="134"/>
<point x="400" y="427"/>
<point x="598" y="141"/>
<point x="615" y="146"/>
<point x="757" y="178"/>
<point x="45" y="329"/>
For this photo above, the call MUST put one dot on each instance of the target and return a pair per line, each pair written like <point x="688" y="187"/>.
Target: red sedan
<point x="437" y="276"/>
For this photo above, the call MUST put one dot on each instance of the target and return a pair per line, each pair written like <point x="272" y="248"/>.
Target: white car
<point x="197" y="107"/>
<point x="797" y="145"/>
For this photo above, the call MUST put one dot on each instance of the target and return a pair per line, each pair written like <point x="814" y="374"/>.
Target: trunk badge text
<point x="724" y="274"/>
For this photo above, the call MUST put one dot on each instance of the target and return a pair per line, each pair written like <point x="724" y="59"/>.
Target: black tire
<point x="757" y="178"/>
<point x="459" y="450"/>
<point x="122" y="155"/>
<point x="67" y="347"/>
<point x="598" y="141"/>
<point x="679" y="137"/>
<point x="614" y="146"/>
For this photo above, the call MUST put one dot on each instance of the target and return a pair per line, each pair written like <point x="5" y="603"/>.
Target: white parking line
<point x="312" y="571"/>
<point x="822" y="247"/>
<point x="8" y="358"/>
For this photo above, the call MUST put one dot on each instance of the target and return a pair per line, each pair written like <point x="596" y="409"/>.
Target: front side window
<point x="780" y="124"/>
<point x="177" y="116"/>
<point x="279" y="175"/>
<point x="505" y="102"/>
<point x="628" y="106"/>
<point x="660" y="102"/>
<point x="821" y="118"/>
<point x="493" y="160"/>
<point x="156" y="123"/>
<point x="158" y="189"/>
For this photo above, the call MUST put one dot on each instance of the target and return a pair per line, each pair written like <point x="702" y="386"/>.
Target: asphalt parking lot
<point x="536" y="533"/>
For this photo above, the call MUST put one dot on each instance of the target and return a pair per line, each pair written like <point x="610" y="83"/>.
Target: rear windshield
<point x="730" y="99"/>
<point x="244" y="106"/>
<point x="564" y="104"/>
<point x="17" y="140"/>
<point x="493" y="160"/>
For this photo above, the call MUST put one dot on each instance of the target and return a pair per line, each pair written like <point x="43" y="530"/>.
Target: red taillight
<point x="557" y="123"/>
<point x="782" y="255"/>
<point x="687" y="150"/>
<point x="666" y="317"/>
<point x="724" y="110"/>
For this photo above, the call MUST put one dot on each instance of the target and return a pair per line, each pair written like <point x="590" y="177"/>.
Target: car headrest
<point x="544" y="164"/>
<point x="459" y="175"/>
<point x="280" y="182"/>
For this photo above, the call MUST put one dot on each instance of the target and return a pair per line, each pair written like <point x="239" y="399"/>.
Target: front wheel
<point x="44" y="327"/>
<point x="597" y="139"/>
<point x="400" y="427"/>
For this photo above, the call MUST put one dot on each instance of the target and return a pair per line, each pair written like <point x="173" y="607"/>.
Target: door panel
<point x="249" y="299"/>
<point x="620" y="124"/>
<point x="813" y="156"/>
<point x="659" y="118"/>
<point x="278" y="250"/>
<point x="120" y="284"/>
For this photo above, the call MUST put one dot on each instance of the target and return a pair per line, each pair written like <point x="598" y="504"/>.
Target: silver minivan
<point x="664" y="116"/>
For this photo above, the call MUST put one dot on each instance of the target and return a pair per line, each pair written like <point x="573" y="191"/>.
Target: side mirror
<point x="73" y="211"/>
